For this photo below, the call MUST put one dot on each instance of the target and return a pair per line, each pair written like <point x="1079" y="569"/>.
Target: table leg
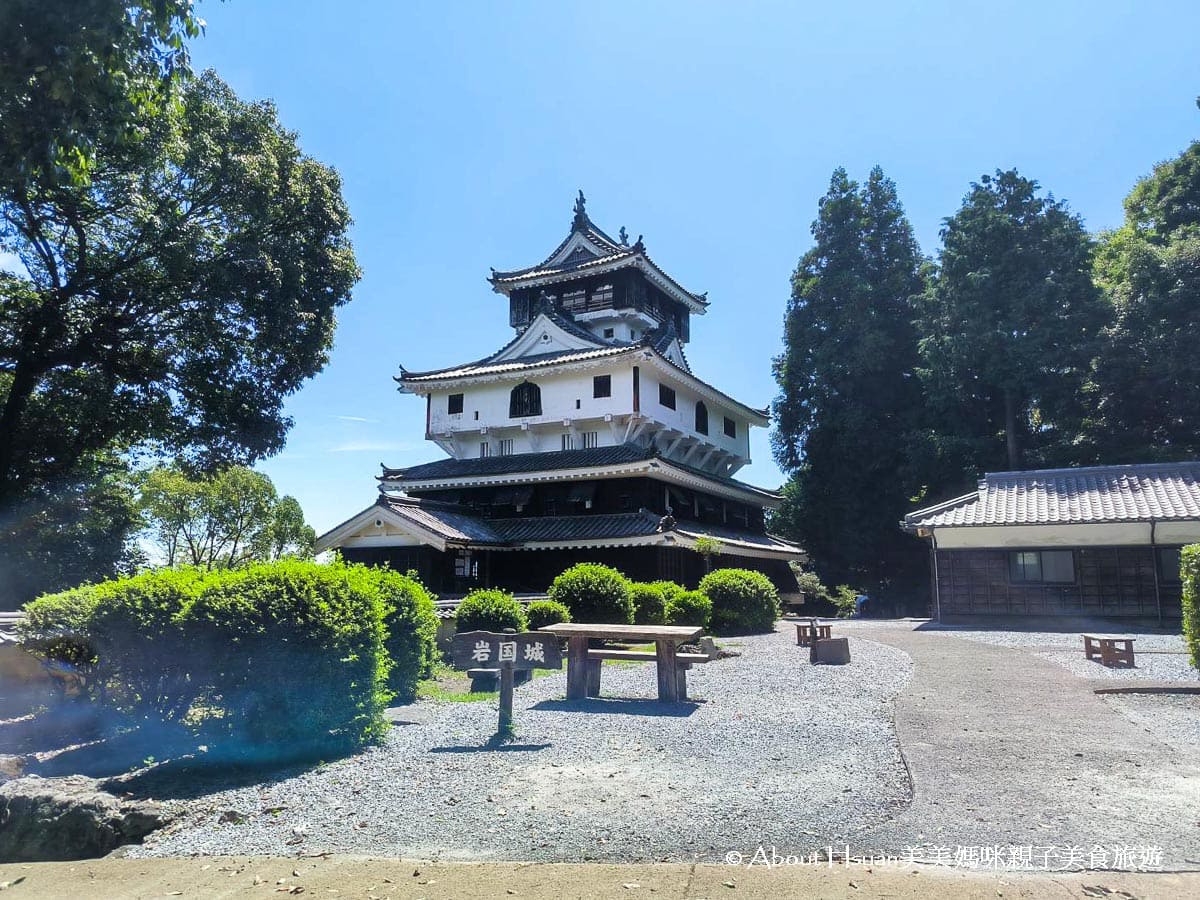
<point x="681" y="681"/>
<point x="593" y="677"/>
<point x="577" y="667"/>
<point x="668" y="678"/>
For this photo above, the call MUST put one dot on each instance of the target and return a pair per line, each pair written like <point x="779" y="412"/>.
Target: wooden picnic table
<point x="805" y="635"/>
<point x="583" y="667"/>
<point x="1106" y="647"/>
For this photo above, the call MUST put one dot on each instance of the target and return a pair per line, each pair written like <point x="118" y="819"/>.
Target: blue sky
<point x="462" y="132"/>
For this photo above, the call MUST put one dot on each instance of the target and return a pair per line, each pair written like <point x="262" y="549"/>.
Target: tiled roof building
<point x="585" y="437"/>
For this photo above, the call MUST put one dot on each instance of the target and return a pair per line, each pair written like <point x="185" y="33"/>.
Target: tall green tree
<point x="1009" y="324"/>
<point x="221" y="520"/>
<point x="1149" y="370"/>
<point x="849" y="398"/>
<point x="77" y="75"/>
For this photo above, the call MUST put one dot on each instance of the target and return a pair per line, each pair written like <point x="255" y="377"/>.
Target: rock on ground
<point x="68" y="818"/>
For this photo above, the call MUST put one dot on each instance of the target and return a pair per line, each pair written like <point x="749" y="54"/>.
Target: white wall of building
<point x="1111" y="534"/>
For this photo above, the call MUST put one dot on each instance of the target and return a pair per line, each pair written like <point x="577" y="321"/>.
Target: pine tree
<point x="1009" y="330"/>
<point x="849" y="398"/>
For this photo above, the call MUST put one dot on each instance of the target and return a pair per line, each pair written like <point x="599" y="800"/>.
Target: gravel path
<point x="1159" y="657"/>
<point x="778" y="752"/>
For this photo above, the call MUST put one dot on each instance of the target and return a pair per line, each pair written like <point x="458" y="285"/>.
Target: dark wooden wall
<point x="1110" y="582"/>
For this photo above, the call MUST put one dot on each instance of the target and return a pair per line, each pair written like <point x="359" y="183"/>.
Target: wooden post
<point x="593" y="677"/>
<point x="577" y="647"/>
<point x="506" y="697"/>
<point x="668" y="677"/>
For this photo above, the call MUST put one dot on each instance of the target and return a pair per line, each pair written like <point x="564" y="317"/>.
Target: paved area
<point x="1008" y="748"/>
<point x="394" y="879"/>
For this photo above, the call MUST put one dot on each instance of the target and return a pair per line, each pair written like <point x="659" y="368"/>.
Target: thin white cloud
<point x="356" y="419"/>
<point x="368" y="446"/>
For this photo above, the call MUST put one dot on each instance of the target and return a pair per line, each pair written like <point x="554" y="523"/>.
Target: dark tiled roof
<point x="449" y="522"/>
<point x="734" y="538"/>
<point x="1134" y="493"/>
<point x="576" y="528"/>
<point x="487" y="367"/>
<point x="521" y="462"/>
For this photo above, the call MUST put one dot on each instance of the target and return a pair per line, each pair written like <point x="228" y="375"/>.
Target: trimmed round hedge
<point x="594" y="594"/>
<point x="649" y="604"/>
<point x="541" y="613"/>
<point x="273" y="661"/>
<point x="489" y="610"/>
<point x="689" y="608"/>
<point x="742" y="600"/>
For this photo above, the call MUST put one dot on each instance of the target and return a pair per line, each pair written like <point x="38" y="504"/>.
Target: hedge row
<point x="281" y="659"/>
<point x="1190" y="571"/>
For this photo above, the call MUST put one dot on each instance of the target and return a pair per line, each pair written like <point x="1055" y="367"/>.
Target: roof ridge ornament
<point x="581" y="220"/>
<point x="623" y="235"/>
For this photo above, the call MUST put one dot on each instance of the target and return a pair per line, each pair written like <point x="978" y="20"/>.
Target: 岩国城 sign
<point x="488" y="650"/>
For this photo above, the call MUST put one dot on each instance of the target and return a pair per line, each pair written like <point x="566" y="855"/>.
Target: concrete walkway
<point x="394" y="879"/>
<point x="1006" y="748"/>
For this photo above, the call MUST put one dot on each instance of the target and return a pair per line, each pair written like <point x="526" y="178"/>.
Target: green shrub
<point x="546" y="612"/>
<point x="594" y="594"/>
<point x="490" y="610"/>
<point x="295" y="656"/>
<point x="649" y="604"/>
<point x="58" y="627"/>
<point x="845" y="598"/>
<point x="1190" y="573"/>
<point x="669" y="589"/>
<point x="411" y="625"/>
<point x="743" y="600"/>
<point x="151" y="660"/>
<point x="689" y="608"/>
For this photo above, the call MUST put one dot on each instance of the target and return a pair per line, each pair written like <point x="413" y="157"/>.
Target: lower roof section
<point x="406" y="521"/>
<point x="621" y="460"/>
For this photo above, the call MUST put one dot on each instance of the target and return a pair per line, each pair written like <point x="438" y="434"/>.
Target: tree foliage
<point x="1149" y="407"/>
<point x="1010" y="324"/>
<point x="223" y="520"/>
<point x="849" y="399"/>
<point x="76" y="75"/>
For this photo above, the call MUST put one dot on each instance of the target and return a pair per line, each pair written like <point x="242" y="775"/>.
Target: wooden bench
<point x="1105" y="647"/>
<point x="804" y="633"/>
<point x="684" y="662"/>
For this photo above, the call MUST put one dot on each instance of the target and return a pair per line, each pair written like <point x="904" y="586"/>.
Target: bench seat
<point x="644" y="656"/>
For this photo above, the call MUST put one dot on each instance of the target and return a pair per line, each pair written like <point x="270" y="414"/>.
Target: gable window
<point x="701" y="418"/>
<point x="1042" y="567"/>
<point x="666" y="396"/>
<point x="730" y="427"/>
<point x="591" y="439"/>
<point x="1169" y="564"/>
<point x="568" y="441"/>
<point x="506" y="447"/>
<point x="525" y="400"/>
<point x="609" y="333"/>
<point x="602" y="386"/>
<point x="485" y="450"/>
<point x="454" y="404"/>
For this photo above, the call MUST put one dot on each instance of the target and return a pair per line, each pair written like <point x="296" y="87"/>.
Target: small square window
<point x="666" y="396"/>
<point x="602" y="386"/>
<point x="485" y="450"/>
<point x="506" y="447"/>
<point x="568" y="441"/>
<point x="454" y="404"/>
<point x="609" y="333"/>
<point x="730" y="427"/>
<point x="591" y="439"/>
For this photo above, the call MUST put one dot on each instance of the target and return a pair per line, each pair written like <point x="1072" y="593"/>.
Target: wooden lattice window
<point x="525" y="400"/>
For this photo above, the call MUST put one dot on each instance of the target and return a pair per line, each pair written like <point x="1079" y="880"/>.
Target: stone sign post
<point x="506" y="652"/>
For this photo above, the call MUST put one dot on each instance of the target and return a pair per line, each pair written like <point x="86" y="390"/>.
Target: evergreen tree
<point x="1149" y="372"/>
<point x="1009" y="330"/>
<point x="849" y="398"/>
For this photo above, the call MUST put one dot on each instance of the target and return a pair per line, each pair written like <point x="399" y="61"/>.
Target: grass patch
<point x="450" y="685"/>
